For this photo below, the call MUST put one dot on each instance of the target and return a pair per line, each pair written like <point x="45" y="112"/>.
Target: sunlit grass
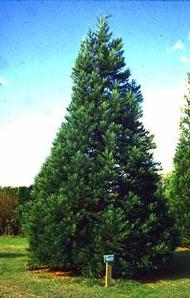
<point x="15" y="281"/>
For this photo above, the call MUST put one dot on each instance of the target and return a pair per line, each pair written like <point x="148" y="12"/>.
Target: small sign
<point x="108" y="258"/>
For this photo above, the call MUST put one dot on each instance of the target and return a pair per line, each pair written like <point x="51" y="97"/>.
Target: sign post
<point x="108" y="259"/>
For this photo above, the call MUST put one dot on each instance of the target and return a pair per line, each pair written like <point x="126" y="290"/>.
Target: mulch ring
<point x="56" y="274"/>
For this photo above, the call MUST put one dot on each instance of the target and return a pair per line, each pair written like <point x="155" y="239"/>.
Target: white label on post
<point x="108" y="258"/>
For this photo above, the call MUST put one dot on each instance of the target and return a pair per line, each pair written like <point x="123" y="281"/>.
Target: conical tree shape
<point x="96" y="193"/>
<point x="178" y="190"/>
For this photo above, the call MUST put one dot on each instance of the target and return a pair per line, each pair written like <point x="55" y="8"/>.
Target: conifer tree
<point x="178" y="191"/>
<point x="96" y="193"/>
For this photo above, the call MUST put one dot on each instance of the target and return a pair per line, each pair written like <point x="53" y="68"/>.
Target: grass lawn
<point x="15" y="281"/>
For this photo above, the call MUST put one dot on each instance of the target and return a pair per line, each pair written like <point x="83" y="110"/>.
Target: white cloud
<point x="179" y="45"/>
<point x="185" y="59"/>
<point x="162" y="111"/>
<point x="3" y="82"/>
<point x="25" y="144"/>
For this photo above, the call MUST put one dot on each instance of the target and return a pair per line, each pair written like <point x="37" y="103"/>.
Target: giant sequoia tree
<point x="96" y="193"/>
<point x="178" y="190"/>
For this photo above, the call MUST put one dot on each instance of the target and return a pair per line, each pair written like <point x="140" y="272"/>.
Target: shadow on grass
<point x="11" y="254"/>
<point x="178" y="268"/>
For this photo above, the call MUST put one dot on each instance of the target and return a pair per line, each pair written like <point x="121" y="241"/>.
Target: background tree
<point x="9" y="214"/>
<point x="96" y="193"/>
<point x="178" y="191"/>
<point x="13" y="204"/>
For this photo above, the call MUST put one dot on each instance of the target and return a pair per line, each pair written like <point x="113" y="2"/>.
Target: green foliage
<point x="24" y="201"/>
<point x="24" y="194"/>
<point x="177" y="190"/>
<point x="96" y="193"/>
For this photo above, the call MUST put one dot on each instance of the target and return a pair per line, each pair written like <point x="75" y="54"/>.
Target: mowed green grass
<point x="15" y="281"/>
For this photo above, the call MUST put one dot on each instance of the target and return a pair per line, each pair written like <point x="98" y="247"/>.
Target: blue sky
<point x="39" y="42"/>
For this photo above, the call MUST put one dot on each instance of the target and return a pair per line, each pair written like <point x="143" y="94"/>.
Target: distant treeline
<point x="13" y="202"/>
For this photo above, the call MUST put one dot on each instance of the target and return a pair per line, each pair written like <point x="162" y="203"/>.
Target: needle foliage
<point x="96" y="193"/>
